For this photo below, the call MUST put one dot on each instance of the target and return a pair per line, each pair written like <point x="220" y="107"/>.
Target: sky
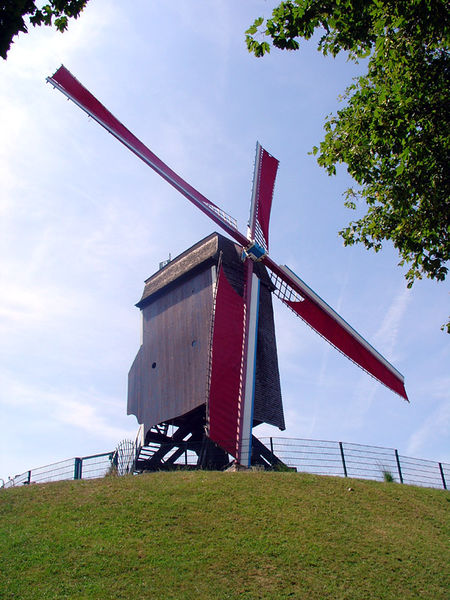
<point x="83" y="223"/>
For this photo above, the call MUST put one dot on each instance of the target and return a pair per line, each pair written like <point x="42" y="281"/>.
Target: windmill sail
<point x="224" y="412"/>
<point x="305" y="303"/>
<point x="66" y="83"/>
<point x="266" y="167"/>
<point x="258" y="236"/>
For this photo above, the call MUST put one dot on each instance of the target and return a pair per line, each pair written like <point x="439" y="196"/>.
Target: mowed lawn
<point x="211" y="535"/>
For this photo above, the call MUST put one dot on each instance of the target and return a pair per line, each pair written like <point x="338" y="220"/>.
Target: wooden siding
<point x="169" y="375"/>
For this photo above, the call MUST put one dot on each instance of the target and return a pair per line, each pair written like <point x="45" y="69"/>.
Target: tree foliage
<point x="14" y="12"/>
<point x="393" y="129"/>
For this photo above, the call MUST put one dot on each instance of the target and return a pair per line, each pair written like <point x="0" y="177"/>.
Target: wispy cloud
<point x="385" y="341"/>
<point x="44" y="424"/>
<point x="386" y="336"/>
<point x="436" y="426"/>
<point x="88" y="410"/>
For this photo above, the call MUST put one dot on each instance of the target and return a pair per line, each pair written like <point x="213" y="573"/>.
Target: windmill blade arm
<point x="265" y="173"/>
<point x="310" y="307"/>
<point x="66" y="83"/>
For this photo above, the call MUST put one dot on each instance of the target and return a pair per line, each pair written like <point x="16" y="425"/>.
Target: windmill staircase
<point x="160" y="451"/>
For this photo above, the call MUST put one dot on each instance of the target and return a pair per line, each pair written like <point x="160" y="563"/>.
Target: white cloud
<point x="21" y="309"/>
<point x="88" y="410"/>
<point x="88" y="414"/>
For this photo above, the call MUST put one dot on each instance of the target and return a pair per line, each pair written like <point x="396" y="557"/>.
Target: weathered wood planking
<point x="168" y="378"/>
<point x="169" y="375"/>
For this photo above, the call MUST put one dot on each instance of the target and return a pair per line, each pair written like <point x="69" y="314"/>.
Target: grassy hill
<point x="203" y="535"/>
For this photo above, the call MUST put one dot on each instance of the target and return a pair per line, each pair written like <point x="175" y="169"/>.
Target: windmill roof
<point x="202" y="254"/>
<point x="204" y="251"/>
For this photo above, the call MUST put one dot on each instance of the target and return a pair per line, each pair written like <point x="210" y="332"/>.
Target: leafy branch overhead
<point x="14" y="12"/>
<point x="393" y="129"/>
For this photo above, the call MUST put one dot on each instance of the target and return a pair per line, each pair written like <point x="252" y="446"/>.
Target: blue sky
<point x="83" y="223"/>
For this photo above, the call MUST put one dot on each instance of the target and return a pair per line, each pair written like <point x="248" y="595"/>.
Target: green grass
<point x="200" y="535"/>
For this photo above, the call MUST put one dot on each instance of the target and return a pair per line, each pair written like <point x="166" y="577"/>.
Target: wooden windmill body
<point x="168" y="383"/>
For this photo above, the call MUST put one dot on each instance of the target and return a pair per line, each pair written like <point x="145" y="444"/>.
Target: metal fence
<point x="320" y="457"/>
<point x="86" y="467"/>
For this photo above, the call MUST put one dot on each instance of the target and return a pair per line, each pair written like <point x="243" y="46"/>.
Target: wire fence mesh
<point x="427" y="473"/>
<point x="87" y="467"/>
<point x="320" y="457"/>
<point x="55" y="472"/>
<point x="97" y="465"/>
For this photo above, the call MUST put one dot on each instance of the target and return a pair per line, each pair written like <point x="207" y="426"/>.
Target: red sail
<point x="344" y="341"/>
<point x="73" y="89"/>
<point x="296" y="294"/>
<point x="225" y="382"/>
<point x="265" y="173"/>
<point x="269" y="167"/>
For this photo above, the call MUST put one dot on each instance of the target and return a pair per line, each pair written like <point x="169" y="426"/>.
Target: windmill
<point x="230" y="361"/>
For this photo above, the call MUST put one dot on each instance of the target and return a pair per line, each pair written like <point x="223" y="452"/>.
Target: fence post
<point x="28" y="481"/>
<point x="271" y="445"/>
<point x="397" y="458"/>
<point x="341" y="448"/>
<point x="78" y="468"/>
<point x="442" y="475"/>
